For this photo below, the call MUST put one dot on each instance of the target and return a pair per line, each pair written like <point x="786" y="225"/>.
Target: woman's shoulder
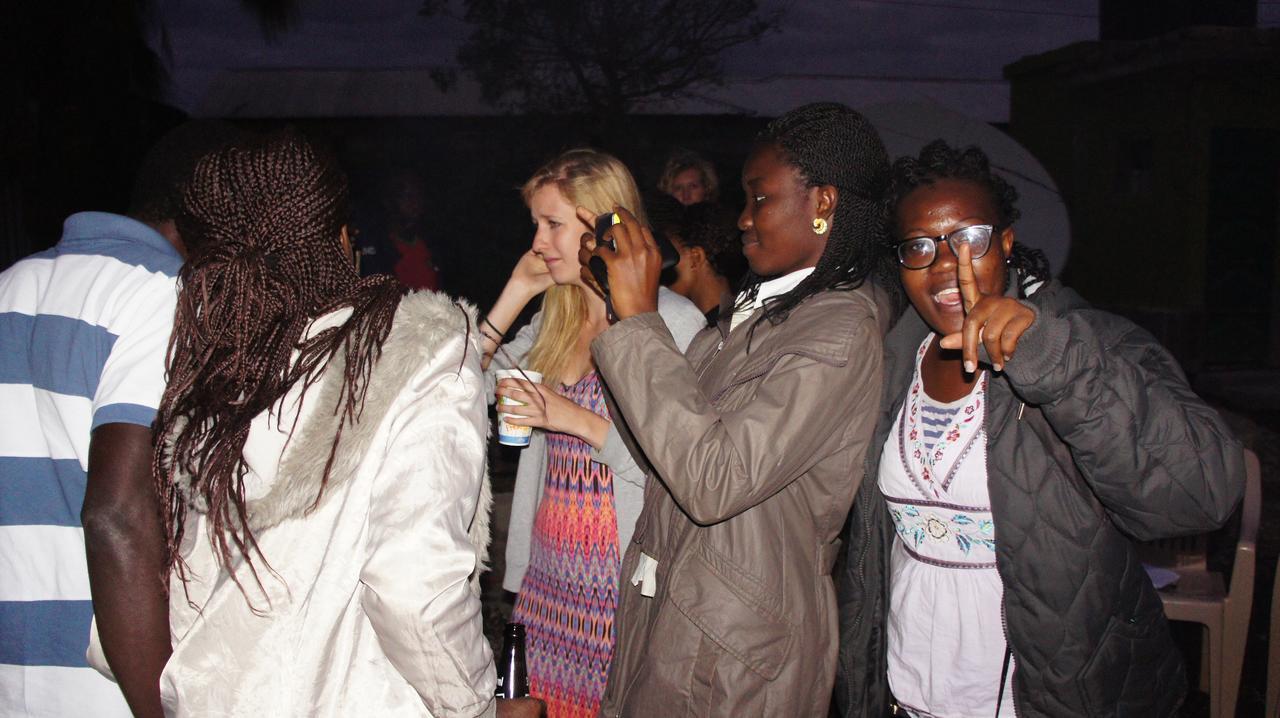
<point x="424" y="309"/>
<point x="1058" y="300"/>
<point x="682" y="317"/>
<point x="840" y="310"/>
<point x="830" y="326"/>
<point x="676" y="306"/>
<point x="427" y="323"/>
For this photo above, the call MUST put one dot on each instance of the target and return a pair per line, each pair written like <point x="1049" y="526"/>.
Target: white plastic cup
<point x="510" y="434"/>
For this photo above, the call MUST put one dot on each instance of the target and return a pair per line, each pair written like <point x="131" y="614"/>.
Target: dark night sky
<point x="859" y="40"/>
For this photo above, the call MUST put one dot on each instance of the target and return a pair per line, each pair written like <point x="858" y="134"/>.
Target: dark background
<point x="1158" y="121"/>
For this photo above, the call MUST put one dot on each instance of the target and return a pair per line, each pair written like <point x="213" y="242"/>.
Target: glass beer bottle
<point x="513" y="674"/>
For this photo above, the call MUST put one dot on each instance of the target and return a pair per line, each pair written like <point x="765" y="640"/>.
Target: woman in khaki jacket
<point x="727" y="604"/>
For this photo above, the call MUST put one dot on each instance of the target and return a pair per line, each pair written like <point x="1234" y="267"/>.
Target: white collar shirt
<point x="772" y="288"/>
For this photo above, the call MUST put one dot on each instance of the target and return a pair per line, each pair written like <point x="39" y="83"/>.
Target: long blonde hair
<point x="597" y="181"/>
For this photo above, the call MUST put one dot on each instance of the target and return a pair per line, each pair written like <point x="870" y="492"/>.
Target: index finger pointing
<point x="964" y="276"/>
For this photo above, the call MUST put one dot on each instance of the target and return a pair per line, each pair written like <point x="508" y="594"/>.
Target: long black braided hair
<point x="830" y="144"/>
<point x="267" y="213"/>
<point x="939" y="160"/>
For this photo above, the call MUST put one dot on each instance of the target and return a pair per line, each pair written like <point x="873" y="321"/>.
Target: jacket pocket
<point x="1128" y="659"/>
<point x="726" y="611"/>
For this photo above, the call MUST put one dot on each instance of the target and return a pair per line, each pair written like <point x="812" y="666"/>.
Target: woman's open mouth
<point x="948" y="298"/>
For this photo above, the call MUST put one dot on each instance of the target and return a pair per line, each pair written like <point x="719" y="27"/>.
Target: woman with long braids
<point x="1024" y="439"/>
<point x="578" y="488"/>
<point x="728" y="607"/>
<point x="320" y="451"/>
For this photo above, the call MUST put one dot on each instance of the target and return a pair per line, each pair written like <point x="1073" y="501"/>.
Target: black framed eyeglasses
<point x="922" y="252"/>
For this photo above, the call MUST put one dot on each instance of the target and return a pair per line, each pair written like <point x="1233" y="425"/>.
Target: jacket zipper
<point x="1004" y="626"/>
<point x="1004" y="620"/>
<point x="706" y="364"/>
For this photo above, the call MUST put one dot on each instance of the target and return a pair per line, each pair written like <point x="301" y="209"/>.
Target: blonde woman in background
<point x="690" y="178"/>
<point x="578" y="489"/>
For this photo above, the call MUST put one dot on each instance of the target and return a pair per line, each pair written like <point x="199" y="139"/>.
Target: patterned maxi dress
<point x="569" y="593"/>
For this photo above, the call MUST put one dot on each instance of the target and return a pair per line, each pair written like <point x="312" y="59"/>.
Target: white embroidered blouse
<point x="946" y="632"/>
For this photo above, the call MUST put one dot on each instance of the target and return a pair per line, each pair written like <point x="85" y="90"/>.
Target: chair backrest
<point x="1179" y="552"/>
<point x="1250" y="513"/>
<point x="1176" y="553"/>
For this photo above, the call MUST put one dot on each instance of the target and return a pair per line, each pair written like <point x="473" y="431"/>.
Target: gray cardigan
<point x="683" y="320"/>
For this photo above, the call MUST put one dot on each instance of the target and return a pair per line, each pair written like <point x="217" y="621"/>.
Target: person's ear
<point x="827" y="197"/>
<point x="1006" y="241"/>
<point x="345" y="237"/>
<point x="697" y="257"/>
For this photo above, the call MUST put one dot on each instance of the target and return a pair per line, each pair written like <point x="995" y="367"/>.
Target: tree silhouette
<point x="603" y="57"/>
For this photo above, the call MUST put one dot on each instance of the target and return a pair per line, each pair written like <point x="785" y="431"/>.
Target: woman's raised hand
<point x="531" y="274"/>
<point x="634" y="265"/>
<point x="994" y="321"/>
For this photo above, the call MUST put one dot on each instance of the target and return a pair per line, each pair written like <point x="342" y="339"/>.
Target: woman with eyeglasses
<point x="1025" y="440"/>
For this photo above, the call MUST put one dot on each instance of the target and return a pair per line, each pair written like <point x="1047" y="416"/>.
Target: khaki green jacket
<point x="755" y="441"/>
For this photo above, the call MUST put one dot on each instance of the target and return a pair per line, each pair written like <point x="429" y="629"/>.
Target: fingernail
<point x="999" y="367"/>
<point x="970" y="367"/>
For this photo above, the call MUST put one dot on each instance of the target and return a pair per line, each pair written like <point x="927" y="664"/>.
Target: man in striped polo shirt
<point x="84" y="328"/>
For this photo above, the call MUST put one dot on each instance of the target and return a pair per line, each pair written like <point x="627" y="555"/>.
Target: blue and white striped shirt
<point x="935" y="418"/>
<point x="83" y="332"/>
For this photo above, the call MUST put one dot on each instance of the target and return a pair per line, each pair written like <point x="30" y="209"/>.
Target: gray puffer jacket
<point x="1094" y="440"/>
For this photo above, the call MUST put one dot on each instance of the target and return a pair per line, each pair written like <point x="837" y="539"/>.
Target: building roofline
<point x="1193" y="45"/>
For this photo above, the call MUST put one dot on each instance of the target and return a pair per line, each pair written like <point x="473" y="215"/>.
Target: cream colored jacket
<point x="367" y="604"/>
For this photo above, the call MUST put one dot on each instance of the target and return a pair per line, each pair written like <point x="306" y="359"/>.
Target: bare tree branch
<point x="604" y="56"/>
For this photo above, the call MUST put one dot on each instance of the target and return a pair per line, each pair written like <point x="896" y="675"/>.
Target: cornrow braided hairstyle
<point x="714" y="228"/>
<point x="938" y="160"/>
<point x="830" y="144"/>
<point x="267" y="215"/>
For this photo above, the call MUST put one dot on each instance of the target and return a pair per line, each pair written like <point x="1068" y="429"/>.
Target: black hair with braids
<point x="938" y="160"/>
<point x="663" y="212"/>
<point x="714" y="228"/>
<point x="830" y="144"/>
<point x="267" y="214"/>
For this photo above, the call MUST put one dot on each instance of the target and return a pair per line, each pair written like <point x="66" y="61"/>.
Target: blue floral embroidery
<point x="915" y="527"/>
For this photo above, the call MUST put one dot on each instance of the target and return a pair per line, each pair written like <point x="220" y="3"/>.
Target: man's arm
<point x="124" y="543"/>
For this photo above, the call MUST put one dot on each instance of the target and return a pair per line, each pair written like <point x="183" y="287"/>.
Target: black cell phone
<point x="603" y="223"/>
<point x="597" y="266"/>
<point x="668" y="250"/>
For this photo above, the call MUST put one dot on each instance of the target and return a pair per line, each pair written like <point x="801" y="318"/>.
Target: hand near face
<point x="531" y="274"/>
<point x="634" y="266"/>
<point x="995" y="322"/>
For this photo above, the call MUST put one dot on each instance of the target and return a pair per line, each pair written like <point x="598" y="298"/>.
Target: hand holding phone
<point x="624" y="260"/>
<point x="597" y="266"/>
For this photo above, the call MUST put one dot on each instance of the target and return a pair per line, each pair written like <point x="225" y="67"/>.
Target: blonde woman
<point x="578" y="489"/>
<point x="690" y="178"/>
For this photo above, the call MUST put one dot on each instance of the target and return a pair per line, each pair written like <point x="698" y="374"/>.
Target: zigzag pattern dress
<point x="570" y="590"/>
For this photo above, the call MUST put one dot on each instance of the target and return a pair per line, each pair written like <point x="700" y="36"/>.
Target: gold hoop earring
<point x="819" y="225"/>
